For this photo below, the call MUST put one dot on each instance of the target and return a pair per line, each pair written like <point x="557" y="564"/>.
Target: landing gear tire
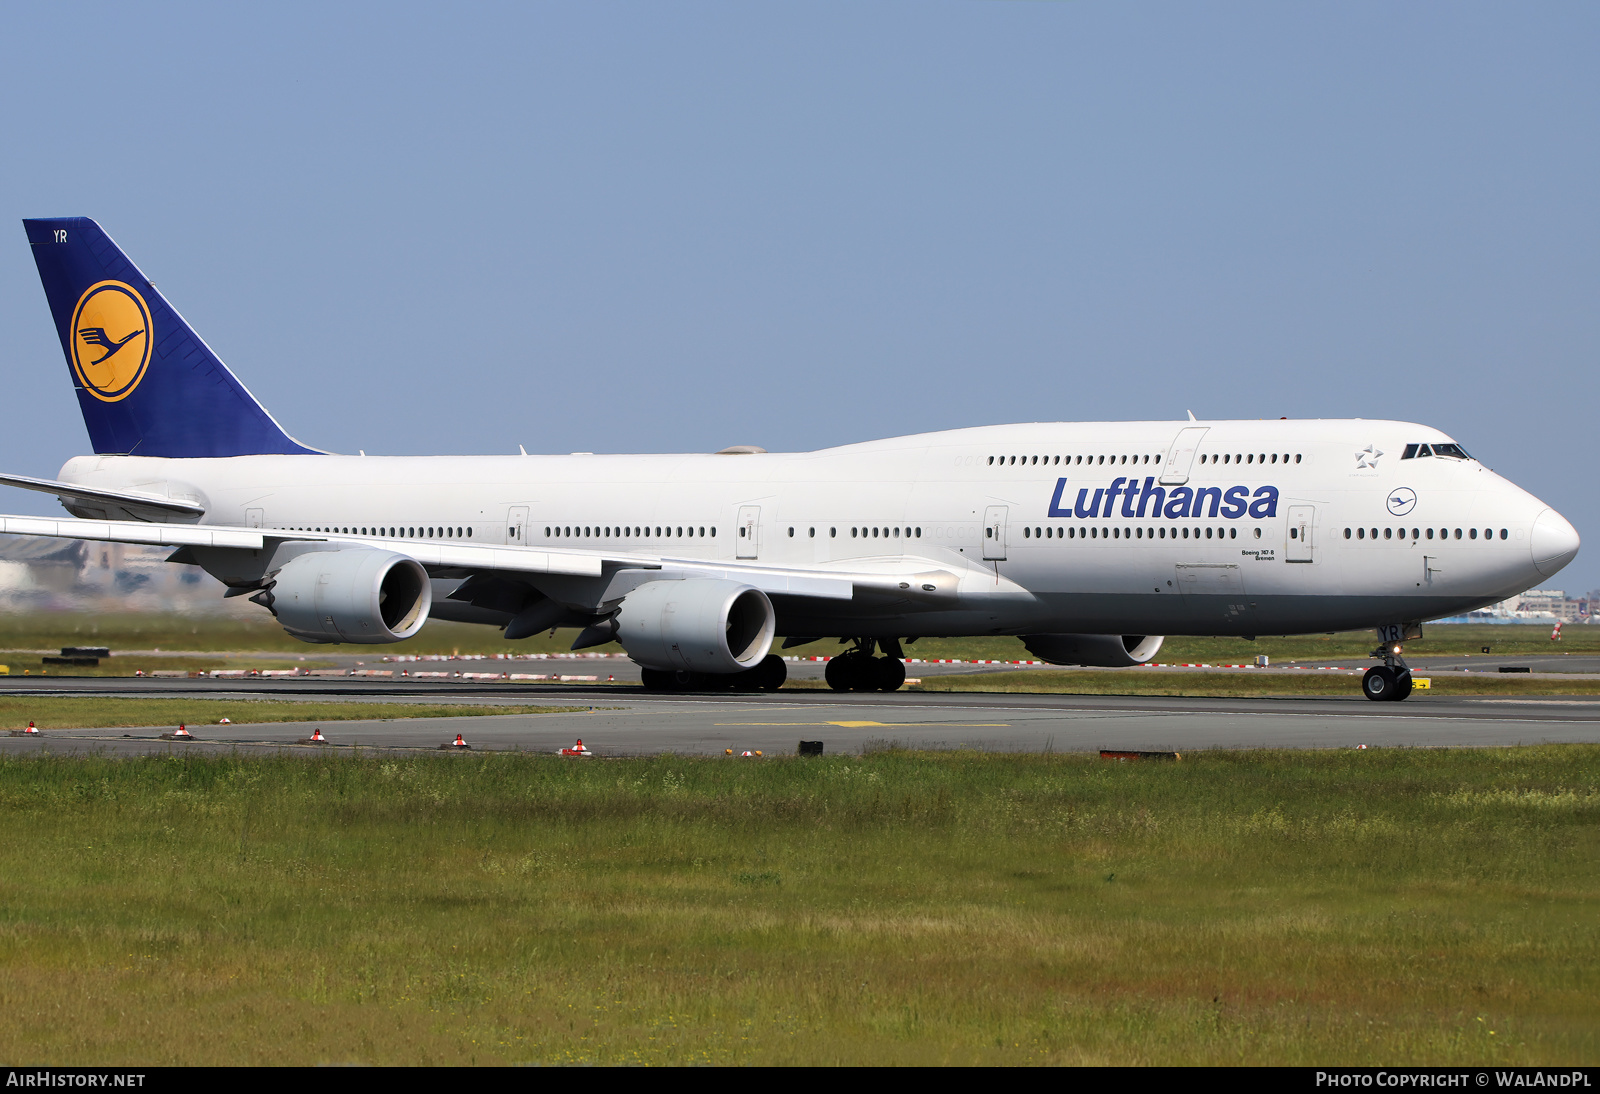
<point x="843" y="671"/>
<point x="655" y="679"/>
<point x="888" y="673"/>
<point x="768" y="674"/>
<point x="1382" y="685"/>
<point x="773" y="672"/>
<point x="1402" y="685"/>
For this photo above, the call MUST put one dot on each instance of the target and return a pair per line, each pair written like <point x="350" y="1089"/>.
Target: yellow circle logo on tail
<point x="110" y="340"/>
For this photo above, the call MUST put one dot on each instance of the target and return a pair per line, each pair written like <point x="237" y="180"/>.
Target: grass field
<point x="1239" y="684"/>
<point x="1428" y="906"/>
<point x="50" y="631"/>
<point x="131" y="665"/>
<point x="94" y="712"/>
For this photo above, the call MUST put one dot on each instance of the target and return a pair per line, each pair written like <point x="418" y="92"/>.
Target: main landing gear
<point x="1390" y="681"/>
<point x="858" y="670"/>
<point x="767" y="675"/>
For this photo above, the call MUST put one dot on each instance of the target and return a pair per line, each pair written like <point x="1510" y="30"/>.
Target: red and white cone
<point x="459" y="742"/>
<point x="577" y="750"/>
<point x="31" y="731"/>
<point x="181" y="731"/>
<point x="316" y="734"/>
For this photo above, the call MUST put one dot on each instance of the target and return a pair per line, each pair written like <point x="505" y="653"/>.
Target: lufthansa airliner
<point x="1089" y="540"/>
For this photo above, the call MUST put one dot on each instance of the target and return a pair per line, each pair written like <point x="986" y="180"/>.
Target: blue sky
<point x="679" y="226"/>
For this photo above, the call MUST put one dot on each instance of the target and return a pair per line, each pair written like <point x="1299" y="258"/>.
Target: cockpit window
<point x="1417" y="451"/>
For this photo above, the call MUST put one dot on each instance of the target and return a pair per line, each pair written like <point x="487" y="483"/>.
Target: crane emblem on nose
<point x="1402" y="501"/>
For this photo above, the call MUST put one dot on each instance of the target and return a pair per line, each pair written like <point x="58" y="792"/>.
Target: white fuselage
<point x="1300" y="526"/>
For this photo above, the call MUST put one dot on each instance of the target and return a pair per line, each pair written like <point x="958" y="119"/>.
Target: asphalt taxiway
<point x="620" y="720"/>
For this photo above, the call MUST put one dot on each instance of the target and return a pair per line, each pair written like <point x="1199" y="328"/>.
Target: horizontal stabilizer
<point x="152" y="502"/>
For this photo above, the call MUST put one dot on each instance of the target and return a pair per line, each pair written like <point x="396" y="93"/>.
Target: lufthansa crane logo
<point x="110" y="340"/>
<point x="1402" y="501"/>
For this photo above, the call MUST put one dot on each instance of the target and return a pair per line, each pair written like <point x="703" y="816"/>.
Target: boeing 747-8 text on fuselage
<point x="1088" y="540"/>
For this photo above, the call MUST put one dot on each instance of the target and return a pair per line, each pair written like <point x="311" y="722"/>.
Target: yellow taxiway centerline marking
<point x="886" y="725"/>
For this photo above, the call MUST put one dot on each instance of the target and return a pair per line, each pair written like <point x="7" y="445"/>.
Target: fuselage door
<point x="517" y="526"/>
<point x="994" y="532"/>
<point x="748" y="539"/>
<point x="1175" y="468"/>
<point x="1302" y="520"/>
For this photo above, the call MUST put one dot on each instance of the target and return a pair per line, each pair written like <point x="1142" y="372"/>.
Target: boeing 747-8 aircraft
<point x="1089" y="540"/>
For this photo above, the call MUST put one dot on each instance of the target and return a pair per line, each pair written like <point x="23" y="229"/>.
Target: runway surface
<point x="627" y="721"/>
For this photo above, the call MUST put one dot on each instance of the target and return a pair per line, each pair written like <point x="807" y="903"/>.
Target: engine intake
<point x="1102" y="651"/>
<point x="699" y="624"/>
<point x="356" y="595"/>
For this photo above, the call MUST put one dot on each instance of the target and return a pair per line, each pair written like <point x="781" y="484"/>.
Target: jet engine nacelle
<point x="699" y="624"/>
<point x="356" y="595"/>
<point x="1103" y="651"/>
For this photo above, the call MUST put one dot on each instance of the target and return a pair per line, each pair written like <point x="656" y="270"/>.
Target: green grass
<point x="246" y="629"/>
<point x="1454" y="640"/>
<point x="72" y="712"/>
<point x="1236" y="684"/>
<point x="131" y="665"/>
<point x="1393" y="907"/>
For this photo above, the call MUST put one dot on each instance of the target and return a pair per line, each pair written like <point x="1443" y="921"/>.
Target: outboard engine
<point x="1103" y="651"/>
<point x="698" y="624"/>
<point x="360" y="594"/>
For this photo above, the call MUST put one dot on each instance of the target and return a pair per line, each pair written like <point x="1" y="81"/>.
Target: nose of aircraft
<point x="1554" y="542"/>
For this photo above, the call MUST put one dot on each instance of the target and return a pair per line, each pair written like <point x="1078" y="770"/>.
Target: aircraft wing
<point x="592" y="576"/>
<point x="456" y="555"/>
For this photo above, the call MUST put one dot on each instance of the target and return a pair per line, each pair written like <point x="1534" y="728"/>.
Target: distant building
<point x="1534" y="606"/>
<point x="1553" y="602"/>
<point x="80" y="575"/>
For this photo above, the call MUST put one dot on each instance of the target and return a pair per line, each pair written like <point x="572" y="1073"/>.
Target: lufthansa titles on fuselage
<point x="1148" y="499"/>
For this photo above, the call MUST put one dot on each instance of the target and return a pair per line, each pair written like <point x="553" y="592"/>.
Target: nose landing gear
<point x="1391" y="681"/>
<point x="1384" y="683"/>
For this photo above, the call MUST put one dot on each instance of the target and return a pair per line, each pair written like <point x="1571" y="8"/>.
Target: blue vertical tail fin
<point x="148" y="385"/>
